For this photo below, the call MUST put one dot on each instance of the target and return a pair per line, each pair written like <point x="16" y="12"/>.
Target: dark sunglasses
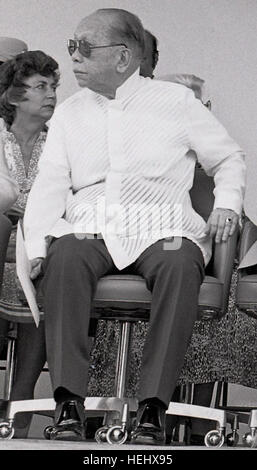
<point x="85" y="47"/>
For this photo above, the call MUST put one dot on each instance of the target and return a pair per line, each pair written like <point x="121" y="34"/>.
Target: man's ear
<point x="14" y="102"/>
<point x="125" y="57"/>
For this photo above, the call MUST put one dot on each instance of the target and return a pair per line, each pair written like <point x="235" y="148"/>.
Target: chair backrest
<point x="247" y="239"/>
<point x="201" y="194"/>
<point x="202" y="198"/>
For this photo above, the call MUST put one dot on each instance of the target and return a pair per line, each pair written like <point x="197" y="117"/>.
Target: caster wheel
<point x="6" y="431"/>
<point x="100" y="435"/>
<point x="214" y="439"/>
<point x="49" y="432"/>
<point x="116" y="435"/>
<point x="248" y="439"/>
<point x="232" y="439"/>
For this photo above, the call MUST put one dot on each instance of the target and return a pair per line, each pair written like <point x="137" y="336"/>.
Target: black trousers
<point x="71" y="271"/>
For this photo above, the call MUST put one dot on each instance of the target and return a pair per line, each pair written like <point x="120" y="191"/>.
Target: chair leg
<point x="114" y="431"/>
<point x="221" y="394"/>
<point x="10" y="364"/>
<point x="225" y="394"/>
<point x="122" y="359"/>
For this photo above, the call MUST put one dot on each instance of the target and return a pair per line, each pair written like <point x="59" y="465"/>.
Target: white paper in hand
<point x="23" y="272"/>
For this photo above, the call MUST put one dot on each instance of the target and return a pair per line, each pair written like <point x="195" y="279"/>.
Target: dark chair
<point x="126" y="298"/>
<point x="5" y="232"/>
<point x="246" y="294"/>
<point x="7" y="355"/>
<point x="246" y="301"/>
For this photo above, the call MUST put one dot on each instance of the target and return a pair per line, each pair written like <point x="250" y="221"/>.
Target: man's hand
<point x="221" y="224"/>
<point x="35" y="264"/>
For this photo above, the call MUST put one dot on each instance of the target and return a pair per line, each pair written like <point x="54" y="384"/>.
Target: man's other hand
<point x="221" y="224"/>
<point x="35" y="264"/>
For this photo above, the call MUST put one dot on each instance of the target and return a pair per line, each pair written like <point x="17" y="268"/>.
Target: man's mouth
<point x="77" y="72"/>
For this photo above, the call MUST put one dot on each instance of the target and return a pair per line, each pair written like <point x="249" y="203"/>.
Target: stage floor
<point x="42" y="444"/>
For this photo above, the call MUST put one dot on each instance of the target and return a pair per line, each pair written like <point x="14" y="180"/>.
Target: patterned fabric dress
<point x="210" y="353"/>
<point x="11" y="307"/>
<point x="225" y="349"/>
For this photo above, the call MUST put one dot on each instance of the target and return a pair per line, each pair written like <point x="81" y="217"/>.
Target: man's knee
<point x="69" y="253"/>
<point x="187" y="259"/>
<point x="63" y="248"/>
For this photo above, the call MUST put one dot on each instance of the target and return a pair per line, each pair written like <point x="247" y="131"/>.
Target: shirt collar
<point x="130" y="86"/>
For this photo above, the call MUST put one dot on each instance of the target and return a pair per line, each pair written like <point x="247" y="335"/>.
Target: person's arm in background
<point x="47" y="199"/>
<point x="222" y="158"/>
<point x="8" y="188"/>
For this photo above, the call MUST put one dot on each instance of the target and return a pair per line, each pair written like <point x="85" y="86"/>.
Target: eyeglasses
<point x="85" y="47"/>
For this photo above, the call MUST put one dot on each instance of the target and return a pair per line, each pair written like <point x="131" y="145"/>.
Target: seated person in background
<point x="189" y="80"/>
<point x="27" y="101"/>
<point x="144" y="129"/>
<point x="8" y="188"/>
<point x="9" y="48"/>
<point x="151" y="55"/>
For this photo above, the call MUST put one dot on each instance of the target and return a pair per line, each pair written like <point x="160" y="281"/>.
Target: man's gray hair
<point x="127" y="28"/>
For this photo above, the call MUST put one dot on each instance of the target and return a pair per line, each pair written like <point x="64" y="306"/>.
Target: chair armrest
<point x="247" y="239"/>
<point x="5" y="231"/>
<point x="224" y="254"/>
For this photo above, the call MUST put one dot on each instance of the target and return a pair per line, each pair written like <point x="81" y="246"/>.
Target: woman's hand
<point x="16" y="212"/>
<point x="36" y="265"/>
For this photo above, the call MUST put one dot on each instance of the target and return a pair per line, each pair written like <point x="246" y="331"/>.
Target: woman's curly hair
<point x="12" y="76"/>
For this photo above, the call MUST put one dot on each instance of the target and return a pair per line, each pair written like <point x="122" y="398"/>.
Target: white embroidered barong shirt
<point x="123" y="168"/>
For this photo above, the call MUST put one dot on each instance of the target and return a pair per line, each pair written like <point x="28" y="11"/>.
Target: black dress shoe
<point x="150" y="426"/>
<point x="69" y="422"/>
<point x="196" y="440"/>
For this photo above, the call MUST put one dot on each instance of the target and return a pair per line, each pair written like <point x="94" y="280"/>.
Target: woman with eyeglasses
<point x="27" y="101"/>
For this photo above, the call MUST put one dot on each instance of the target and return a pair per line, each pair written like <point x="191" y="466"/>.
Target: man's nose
<point x="77" y="56"/>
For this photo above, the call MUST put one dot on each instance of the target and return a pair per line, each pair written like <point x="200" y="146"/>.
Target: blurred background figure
<point x="27" y="101"/>
<point x="8" y="188"/>
<point x="189" y="80"/>
<point x="151" y="56"/>
<point x="9" y="48"/>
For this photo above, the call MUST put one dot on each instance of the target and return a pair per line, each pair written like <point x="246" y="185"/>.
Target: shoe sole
<point x="67" y="436"/>
<point x="146" y="440"/>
